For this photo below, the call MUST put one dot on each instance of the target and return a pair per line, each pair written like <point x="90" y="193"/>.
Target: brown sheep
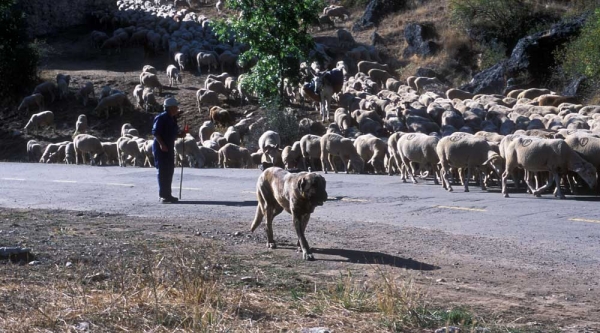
<point x="221" y="116"/>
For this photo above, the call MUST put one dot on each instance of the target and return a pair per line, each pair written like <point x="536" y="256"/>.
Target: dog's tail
<point x="263" y="191"/>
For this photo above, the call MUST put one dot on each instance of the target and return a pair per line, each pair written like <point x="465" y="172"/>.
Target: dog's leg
<point x="269" y="228"/>
<point x="300" y="222"/>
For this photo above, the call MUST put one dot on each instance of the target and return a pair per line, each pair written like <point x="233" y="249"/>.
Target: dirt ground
<point x="459" y="272"/>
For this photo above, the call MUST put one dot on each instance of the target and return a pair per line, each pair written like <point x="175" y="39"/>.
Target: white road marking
<point x="117" y="184"/>
<point x="188" y="188"/>
<point x="584" y="220"/>
<point x="17" y="179"/>
<point x="463" y="208"/>
<point x="64" y="181"/>
<point x="249" y="192"/>
<point x="346" y="199"/>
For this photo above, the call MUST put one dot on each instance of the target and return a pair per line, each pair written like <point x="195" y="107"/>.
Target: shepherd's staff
<point x="185" y="130"/>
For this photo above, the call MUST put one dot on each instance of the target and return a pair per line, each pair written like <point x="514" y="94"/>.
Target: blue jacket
<point x="166" y="127"/>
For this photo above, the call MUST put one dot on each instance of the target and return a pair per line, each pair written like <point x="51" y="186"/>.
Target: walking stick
<point x="185" y="130"/>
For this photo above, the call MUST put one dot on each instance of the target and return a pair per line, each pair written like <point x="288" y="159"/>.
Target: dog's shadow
<point x="375" y="258"/>
<point x="247" y="203"/>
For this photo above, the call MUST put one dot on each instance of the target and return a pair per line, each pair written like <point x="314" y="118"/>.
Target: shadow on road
<point x="221" y="203"/>
<point x="367" y="257"/>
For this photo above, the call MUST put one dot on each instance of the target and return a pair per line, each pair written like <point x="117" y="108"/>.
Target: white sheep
<point x="206" y="130"/>
<point x="180" y="59"/>
<point x="70" y="154"/>
<point x="128" y="147"/>
<point x="192" y="152"/>
<point x="418" y="148"/>
<point x="111" y="153"/>
<point x="31" y="101"/>
<point x="85" y="91"/>
<point x="34" y="150"/>
<point x="174" y="76"/>
<point x="336" y="145"/>
<point x="269" y="142"/>
<point x="463" y="150"/>
<point x="46" y="88"/>
<point x="44" y="118"/>
<point x="87" y="144"/>
<point x="149" y="80"/>
<point x="149" y="69"/>
<point x="81" y="125"/>
<point x="551" y="155"/>
<point x="150" y="100"/>
<point x="118" y="100"/>
<point x="138" y="93"/>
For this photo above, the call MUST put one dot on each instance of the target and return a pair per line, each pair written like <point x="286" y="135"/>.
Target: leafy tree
<point x="277" y="35"/>
<point x="582" y="55"/>
<point x="18" y="58"/>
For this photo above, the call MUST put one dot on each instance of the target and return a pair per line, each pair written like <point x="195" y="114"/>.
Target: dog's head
<point x="312" y="188"/>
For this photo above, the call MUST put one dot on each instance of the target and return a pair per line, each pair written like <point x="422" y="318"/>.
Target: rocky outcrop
<point x="419" y="37"/>
<point x="533" y="57"/>
<point x="376" y="10"/>
<point x="46" y="17"/>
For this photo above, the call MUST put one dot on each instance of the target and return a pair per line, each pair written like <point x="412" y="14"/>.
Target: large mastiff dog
<point x="298" y="193"/>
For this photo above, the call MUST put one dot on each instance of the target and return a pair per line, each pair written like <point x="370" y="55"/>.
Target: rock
<point x="82" y="326"/>
<point x="97" y="277"/>
<point x="440" y="280"/>
<point x="488" y="81"/>
<point x="449" y="329"/>
<point x="418" y="37"/>
<point x="247" y="279"/>
<point x="68" y="264"/>
<point x="237" y="233"/>
<point x="316" y="330"/>
<point x="572" y="87"/>
<point x="35" y="263"/>
<point x="376" y="38"/>
<point x="375" y="11"/>
<point x="539" y="46"/>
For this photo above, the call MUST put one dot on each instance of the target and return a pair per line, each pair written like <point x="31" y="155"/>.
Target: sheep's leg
<point x="551" y="180"/>
<point x="331" y="160"/>
<point x="466" y="181"/>
<point x="482" y="179"/>
<point x="528" y="176"/>
<point x="412" y="171"/>
<point x="324" y="159"/>
<point x="436" y="174"/>
<point x="445" y="178"/>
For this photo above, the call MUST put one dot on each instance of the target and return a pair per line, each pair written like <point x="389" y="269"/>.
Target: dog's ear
<point x="302" y="184"/>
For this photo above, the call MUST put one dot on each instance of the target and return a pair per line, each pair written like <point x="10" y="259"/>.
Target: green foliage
<point x="491" y="55"/>
<point x="283" y="122"/>
<point x="502" y="21"/>
<point x="354" y="3"/>
<point x="277" y="34"/>
<point x="18" y="58"/>
<point x="582" y="55"/>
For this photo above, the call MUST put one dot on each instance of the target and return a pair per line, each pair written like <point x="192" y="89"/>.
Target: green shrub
<point x="582" y="55"/>
<point x="18" y="58"/>
<point x="283" y="122"/>
<point x="499" y="21"/>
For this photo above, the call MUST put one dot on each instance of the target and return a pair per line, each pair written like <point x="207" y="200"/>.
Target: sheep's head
<point x="587" y="172"/>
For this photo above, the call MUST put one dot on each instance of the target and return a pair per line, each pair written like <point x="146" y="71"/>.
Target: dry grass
<point x="155" y="280"/>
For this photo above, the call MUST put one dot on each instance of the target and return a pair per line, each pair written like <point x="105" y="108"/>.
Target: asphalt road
<point x="572" y="225"/>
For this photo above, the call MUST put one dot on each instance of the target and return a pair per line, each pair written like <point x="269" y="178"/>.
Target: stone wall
<point x="49" y="16"/>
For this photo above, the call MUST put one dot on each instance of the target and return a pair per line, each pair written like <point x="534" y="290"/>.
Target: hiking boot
<point x="168" y="200"/>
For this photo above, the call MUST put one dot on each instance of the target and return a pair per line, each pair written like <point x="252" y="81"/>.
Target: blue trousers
<point x="166" y="167"/>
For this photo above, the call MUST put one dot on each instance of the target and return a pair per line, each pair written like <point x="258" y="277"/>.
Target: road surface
<point x="572" y="224"/>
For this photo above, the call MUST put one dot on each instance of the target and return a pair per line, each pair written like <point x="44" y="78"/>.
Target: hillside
<point x="446" y="51"/>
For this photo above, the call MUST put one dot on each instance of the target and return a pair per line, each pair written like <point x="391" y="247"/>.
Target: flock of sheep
<point x="381" y="125"/>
